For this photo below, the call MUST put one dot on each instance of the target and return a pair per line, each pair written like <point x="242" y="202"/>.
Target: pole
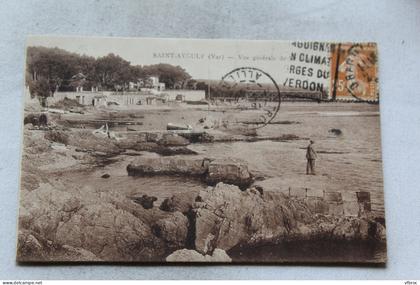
<point x="334" y="95"/>
<point x="208" y="88"/>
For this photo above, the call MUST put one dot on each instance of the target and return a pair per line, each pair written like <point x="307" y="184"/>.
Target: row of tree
<point x="53" y="69"/>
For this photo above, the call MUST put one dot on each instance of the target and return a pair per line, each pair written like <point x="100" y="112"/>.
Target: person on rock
<point x="311" y="156"/>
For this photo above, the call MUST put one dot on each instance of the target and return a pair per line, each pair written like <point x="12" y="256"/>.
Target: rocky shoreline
<point x="115" y="228"/>
<point x="65" y="223"/>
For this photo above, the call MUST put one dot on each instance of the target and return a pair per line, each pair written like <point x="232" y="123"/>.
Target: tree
<point x="201" y="85"/>
<point x="113" y="72"/>
<point x="57" y="68"/>
<point x="86" y="66"/>
<point x="191" y="84"/>
<point x="53" y="65"/>
<point x="172" y="76"/>
<point x="138" y="72"/>
<point x="40" y="89"/>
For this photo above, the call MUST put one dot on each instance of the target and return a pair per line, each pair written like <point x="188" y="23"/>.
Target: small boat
<point x="178" y="127"/>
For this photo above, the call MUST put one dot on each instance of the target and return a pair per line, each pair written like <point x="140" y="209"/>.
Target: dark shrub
<point x="57" y="136"/>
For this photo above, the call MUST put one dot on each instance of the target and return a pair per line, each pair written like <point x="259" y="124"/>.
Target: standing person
<point x="107" y="130"/>
<point x="310" y="156"/>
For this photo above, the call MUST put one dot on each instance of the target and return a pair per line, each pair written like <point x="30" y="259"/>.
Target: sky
<point x="202" y="59"/>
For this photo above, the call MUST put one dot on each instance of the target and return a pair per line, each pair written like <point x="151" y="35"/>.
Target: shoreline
<point x="61" y="152"/>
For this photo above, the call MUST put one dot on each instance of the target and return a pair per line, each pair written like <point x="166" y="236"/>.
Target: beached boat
<point x="178" y="127"/>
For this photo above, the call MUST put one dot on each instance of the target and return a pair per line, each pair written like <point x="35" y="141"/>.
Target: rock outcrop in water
<point x="170" y="139"/>
<point x="167" y="166"/>
<point x="165" y="147"/>
<point x="166" y="144"/>
<point x="232" y="171"/>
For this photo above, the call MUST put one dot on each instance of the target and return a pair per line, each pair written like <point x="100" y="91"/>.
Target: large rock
<point x="181" y="202"/>
<point x="44" y="208"/>
<point x="165" y="149"/>
<point x="173" y="230"/>
<point x="56" y="225"/>
<point x="189" y="255"/>
<point x="138" y="145"/>
<point x="171" y="139"/>
<point x="198" y="137"/>
<point x="145" y="201"/>
<point x="177" y="150"/>
<point x="84" y="139"/>
<point x="111" y="234"/>
<point x="29" y="248"/>
<point x="167" y="166"/>
<point x="231" y="171"/>
<point x="226" y="217"/>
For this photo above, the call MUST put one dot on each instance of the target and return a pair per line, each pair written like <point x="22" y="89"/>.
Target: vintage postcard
<point x="182" y="150"/>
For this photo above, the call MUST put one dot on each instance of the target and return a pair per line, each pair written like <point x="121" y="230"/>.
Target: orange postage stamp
<point x="354" y="72"/>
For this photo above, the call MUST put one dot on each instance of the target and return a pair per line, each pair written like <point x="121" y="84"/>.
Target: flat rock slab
<point x="166" y="166"/>
<point x="211" y="171"/>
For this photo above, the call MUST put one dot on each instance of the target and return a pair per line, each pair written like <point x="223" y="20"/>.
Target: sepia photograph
<point x="200" y="151"/>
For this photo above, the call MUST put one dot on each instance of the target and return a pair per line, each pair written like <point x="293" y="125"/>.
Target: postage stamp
<point x="182" y="150"/>
<point x="354" y="72"/>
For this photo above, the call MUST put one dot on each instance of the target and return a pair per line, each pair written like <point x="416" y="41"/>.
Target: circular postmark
<point x="360" y="72"/>
<point x="251" y="90"/>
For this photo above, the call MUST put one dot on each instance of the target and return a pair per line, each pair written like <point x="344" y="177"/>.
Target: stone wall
<point x="189" y="95"/>
<point x="128" y="98"/>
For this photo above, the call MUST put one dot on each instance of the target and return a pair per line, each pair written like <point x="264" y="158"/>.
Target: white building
<point x="186" y="94"/>
<point x="147" y="92"/>
<point x="151" y="84"/>
<point x="105" y="98"/>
